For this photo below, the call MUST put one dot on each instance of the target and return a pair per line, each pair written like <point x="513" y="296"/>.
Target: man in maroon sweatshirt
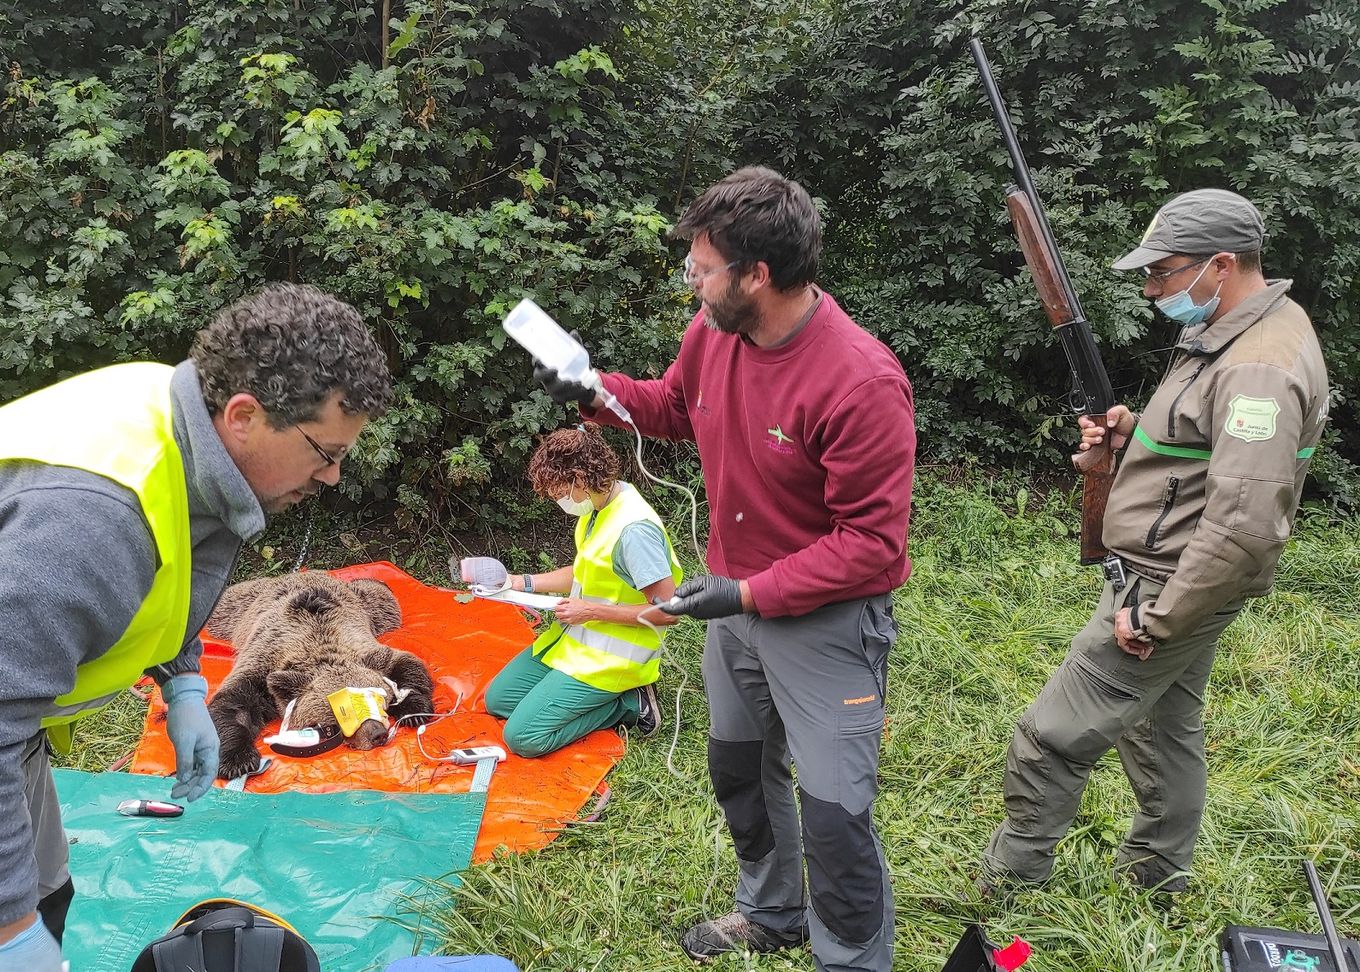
<point x="806" y="435"/>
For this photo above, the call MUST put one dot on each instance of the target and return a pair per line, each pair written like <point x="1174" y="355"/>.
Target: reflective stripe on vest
<point x="638" y="654"/>
<point x="608" y="656"/>
<point x="116" y="422"/>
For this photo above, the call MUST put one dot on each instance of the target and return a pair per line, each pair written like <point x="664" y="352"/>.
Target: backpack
<point x="225" y="935"/>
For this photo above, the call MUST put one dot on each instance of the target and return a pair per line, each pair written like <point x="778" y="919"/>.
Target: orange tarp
<point x="465" y="645"/>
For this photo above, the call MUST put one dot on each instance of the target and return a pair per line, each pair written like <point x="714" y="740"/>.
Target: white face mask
<point x="573" y="507"/>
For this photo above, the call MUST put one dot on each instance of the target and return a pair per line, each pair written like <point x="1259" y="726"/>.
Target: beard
<point x="732" y="312"/>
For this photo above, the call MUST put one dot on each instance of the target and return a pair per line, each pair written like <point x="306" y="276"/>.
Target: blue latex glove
<point x="33" y="950"/>
<point x="193" y="735"/>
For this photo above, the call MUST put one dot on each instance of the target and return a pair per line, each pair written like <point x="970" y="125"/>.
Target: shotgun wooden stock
<point x="1091" y="392"/>
<point x="1097" y="464"/>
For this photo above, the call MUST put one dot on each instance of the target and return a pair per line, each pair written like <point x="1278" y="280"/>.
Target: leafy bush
<point x="1119" y="106"/>
<point x="433" y="162"/>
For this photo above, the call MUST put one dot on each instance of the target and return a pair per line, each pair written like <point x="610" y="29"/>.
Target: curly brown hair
<point x="567" y="455"/>
<point x="292" y="346"/>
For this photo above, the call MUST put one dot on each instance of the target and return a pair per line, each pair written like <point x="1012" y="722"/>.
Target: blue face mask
<point x="1181" y="307"/>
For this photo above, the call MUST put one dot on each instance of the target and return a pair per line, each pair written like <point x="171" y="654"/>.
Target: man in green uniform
<point x="1203" y="502"/>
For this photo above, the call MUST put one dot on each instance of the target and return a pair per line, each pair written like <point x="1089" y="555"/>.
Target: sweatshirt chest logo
<point x="778" y="441"/>
<point x="1251" y="419"/>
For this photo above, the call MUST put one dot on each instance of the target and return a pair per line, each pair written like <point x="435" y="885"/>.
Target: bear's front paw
<point x="414" y="710"/>
<point x="238" y="762"/>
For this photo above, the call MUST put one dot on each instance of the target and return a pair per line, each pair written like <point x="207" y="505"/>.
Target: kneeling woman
<point x="595" y="665"/>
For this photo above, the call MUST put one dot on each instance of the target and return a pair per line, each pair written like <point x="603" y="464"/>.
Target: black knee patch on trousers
<point x="845" y="880"/>
<point x="734" y="768"/>
<point x="52" y="909"/>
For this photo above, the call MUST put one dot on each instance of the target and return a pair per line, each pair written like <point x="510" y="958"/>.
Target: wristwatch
<point x="528" y="583"/>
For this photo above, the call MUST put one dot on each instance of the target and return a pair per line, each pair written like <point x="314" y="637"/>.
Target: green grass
<point x="993" y="599"/>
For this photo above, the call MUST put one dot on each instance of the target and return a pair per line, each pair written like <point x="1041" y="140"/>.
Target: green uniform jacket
<point x="1207" y="489"/>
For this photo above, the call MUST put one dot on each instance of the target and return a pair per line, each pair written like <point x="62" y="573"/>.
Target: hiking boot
<point x="648" y="722"/>
<point x="1161" y="890"/>
<point x="998" y="886"/>
<point x="736" y="933"/>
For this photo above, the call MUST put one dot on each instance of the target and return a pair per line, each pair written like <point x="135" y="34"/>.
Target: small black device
<point x="1277" y="950"/>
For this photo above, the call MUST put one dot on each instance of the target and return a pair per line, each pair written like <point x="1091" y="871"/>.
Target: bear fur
<point x="302" y="637"/>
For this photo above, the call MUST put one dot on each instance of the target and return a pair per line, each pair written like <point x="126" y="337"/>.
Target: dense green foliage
<point x="432" y="162"/>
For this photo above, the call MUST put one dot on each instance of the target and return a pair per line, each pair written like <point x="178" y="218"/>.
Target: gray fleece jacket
<point x="76" y="561"/>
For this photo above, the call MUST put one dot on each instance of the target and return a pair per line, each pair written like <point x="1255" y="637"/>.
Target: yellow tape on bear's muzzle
<point x="355" y="706"/>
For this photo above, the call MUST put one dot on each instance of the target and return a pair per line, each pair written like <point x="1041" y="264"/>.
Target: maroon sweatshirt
<point x="807" y="453"/>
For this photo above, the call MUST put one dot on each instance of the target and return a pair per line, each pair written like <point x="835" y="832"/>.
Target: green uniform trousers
<point x="545" y="709"/>
<point x="1150" y="711"/>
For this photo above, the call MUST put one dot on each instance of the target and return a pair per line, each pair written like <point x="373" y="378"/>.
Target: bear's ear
<point x="379" y="603"/>
<point x="378" y="658"/>
<point x="288" y="683"/>
<point x="235" y="601"/>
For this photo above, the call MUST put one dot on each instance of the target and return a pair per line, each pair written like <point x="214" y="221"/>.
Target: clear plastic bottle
<point x="544" y="338"/>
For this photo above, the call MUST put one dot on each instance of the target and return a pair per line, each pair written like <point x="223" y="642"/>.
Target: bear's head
<point x="309" y="691"/>
<point x="320" y="633"/>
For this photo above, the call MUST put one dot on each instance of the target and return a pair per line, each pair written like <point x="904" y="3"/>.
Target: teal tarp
<point x="345" y="869"/>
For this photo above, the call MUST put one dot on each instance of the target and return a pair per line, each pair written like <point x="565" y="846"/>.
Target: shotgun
<point x="1091" y="392"/>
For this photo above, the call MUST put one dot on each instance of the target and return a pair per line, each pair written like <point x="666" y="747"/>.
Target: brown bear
<point x="299" y="638"/>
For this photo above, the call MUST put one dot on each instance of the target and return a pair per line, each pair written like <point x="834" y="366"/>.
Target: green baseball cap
<point x="1198" y="223"/>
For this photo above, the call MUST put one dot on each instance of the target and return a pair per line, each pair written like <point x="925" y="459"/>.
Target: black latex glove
<point x="706" y="597"/>
<point x="562" y="391"/>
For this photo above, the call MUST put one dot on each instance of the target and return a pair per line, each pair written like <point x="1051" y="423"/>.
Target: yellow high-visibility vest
<point x="116" y="422"/>
<point x="607" y="656"/>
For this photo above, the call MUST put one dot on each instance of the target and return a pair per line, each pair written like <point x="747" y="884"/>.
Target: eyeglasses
<point x="1161" y="276"/>
<point x="326" y="457"/>
<point x="693" y="278"/>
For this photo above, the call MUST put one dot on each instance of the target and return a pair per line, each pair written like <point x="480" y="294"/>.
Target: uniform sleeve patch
<point x="1251" y="419"/>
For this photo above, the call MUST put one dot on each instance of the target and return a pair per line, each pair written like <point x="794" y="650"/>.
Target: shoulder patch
<point x="1251" y="419"/>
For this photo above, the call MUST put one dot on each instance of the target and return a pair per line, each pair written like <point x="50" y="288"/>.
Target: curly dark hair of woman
<point x="567" y="455"/>
<point x="292" y="346"/>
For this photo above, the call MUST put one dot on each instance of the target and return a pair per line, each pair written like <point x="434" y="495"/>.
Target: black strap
<point x="259" y="948"/>
<point x="234" y="917"/>
<point x="177" y="953"/>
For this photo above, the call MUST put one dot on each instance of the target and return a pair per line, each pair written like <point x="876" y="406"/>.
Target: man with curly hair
<point x="125" y="495"/>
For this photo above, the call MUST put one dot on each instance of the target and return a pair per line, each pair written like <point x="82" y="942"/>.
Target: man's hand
<point x="482" y="571"/>
<point x="1134" y="643"/>
<point x="561" y="390"/>
<point x="193" y="735"/>
<point x="33" y="949"/>
<point x="1118" y="418"/>
<point x="707" y="597"/>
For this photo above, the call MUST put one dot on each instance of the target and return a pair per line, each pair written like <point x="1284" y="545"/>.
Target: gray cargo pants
<point x="810" y="688"/>
<point x="1150" y="711"/>
<point x="49" y="838"/>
